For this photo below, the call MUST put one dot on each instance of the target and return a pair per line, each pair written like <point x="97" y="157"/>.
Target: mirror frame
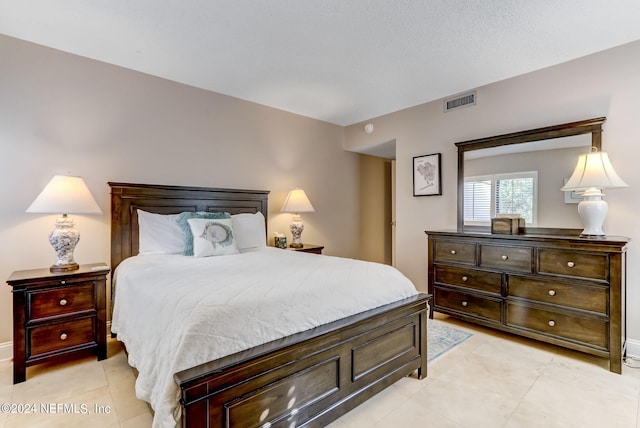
<point x="590" y="126"/>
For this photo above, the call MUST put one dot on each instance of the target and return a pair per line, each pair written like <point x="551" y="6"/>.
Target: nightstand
<point x="309" y="248"/>
<point x="58" y="315"/>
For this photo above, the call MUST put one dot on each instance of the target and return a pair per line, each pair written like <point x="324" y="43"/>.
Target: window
<point x="513" y="193"/>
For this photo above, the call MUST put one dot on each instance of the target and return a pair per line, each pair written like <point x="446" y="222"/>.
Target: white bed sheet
<point x="175" y="312"/>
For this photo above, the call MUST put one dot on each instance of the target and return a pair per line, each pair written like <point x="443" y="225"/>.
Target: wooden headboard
<point x="126" y="198"/>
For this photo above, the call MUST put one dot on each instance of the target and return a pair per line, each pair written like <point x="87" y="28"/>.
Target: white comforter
<point x="175" y="312"/>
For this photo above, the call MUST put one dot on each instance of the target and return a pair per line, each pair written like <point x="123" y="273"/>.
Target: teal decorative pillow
<point x="212" y="237"/>
<point x="182" y="221"/>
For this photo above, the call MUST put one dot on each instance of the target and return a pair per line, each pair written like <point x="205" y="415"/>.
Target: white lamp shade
<point x="65" y="195"/>
<point x="297" y="202"/>
<point x="594" y="170"/>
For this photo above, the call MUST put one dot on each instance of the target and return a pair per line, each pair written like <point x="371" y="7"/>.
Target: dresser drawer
<point x="469" y="304"/>
<point x="54" y="337"/>
<point x="506" y="258"/>
<point x="573" y="263"/>
<point x="457" y="252"/>
<point x="588" y="331"/>
<point x="60" y="301"/>
<point x="469" y="278"/>
<point x="589" y="298"/>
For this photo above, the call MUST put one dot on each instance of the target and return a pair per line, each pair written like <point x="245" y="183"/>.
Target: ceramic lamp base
<point x="593" y="211"/>
<point x="296" y="229"/>
<point x="64" y="239"/>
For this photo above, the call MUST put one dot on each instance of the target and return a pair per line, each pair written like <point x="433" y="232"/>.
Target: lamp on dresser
<point x="64" y="195"/>
<point x="593" y="173"/>
<point x="297" y="202"/>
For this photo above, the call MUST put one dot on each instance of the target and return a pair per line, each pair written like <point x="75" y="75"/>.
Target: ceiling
<point x="340" y="61"/>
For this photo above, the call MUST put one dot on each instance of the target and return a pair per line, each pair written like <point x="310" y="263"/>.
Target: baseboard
<point x="633" y="348"/>
<point x="6" y="351"/>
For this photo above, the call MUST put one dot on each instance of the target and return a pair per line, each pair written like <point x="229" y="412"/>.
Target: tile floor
<point x="491" y="380"/>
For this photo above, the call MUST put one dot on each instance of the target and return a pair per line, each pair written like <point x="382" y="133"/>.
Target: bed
<point x="307" y="378"/>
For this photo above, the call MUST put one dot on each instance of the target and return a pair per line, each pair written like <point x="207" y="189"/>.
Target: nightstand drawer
<point x="54" y="337"/>
<point x="457" y="252"/>
<point x="593" y="332"/>
<point x="573" y="295"/>
<point x="573" y="263"/>
<point x="469" y="278"/>
<point x="507" y="258"/>
<point x="60" y="301"/>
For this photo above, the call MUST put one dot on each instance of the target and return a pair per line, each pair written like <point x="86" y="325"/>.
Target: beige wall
<point x="61" y="113"/>
<point x="603" y="84"/>
<point x="375" y="209"/>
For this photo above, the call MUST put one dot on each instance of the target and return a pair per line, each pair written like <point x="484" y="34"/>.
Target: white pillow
<point x="159" y="234"/>
<point x="212" y="237"/>
<point x="250" y="230"/>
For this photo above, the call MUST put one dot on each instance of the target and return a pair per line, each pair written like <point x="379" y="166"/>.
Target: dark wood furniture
<point x="309" y="248"/>
<point x="564" y="290"/>
<point x="325" y="371"/>
<point x="58" y="315"/>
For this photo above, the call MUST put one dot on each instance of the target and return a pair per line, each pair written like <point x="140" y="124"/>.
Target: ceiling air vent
<point x="465" y="100"/>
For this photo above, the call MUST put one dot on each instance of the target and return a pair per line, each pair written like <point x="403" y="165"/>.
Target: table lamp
<point x="593" y="173"/>
<point x="297" y="202"/>
<point x="64" y="195"/>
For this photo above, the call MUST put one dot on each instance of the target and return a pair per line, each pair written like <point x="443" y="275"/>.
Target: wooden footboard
<point x="310" y="378"/>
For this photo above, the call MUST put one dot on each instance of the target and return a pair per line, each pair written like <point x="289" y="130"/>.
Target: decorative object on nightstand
<point x="593" y="173"/>
<point x="297" y="202"/>
<point x="58" y="315"/>
<point x="279" y="240"/>
<point x="309" y="248"/>
<point x="64" y="195"/>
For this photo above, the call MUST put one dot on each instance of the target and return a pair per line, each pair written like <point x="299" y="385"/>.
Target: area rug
<point x="442" y="338"/>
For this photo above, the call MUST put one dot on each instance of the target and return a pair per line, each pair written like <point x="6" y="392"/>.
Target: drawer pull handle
<point x="504" y="257"/>
<point x="63" y="282"/>
<point x="552" y="292"/>
<point x="465" y="304"/>
<point x="571" y="264"/>
<point x="552" y="323"/>
<point x="63" y="336"/>
<point x="465" y="278"/>
<point x="454" y="252"/>
<point x="63" y="302"/>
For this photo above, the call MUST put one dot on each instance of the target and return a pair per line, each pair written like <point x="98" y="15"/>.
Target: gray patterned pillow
<point x="182" y="221"/>
<point x="212" y="237"/>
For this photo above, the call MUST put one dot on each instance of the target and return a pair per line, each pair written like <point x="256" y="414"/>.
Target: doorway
<point x="377" y="209"/>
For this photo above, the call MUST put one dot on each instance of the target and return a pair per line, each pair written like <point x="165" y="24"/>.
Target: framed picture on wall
<point x="427" y="175"/>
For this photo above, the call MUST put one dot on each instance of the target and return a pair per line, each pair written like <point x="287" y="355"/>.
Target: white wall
<point x="603" y="84"/>
<point x="61" y="113"/>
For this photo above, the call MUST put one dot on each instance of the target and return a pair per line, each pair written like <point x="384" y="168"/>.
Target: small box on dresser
<point x="58" y="315"/>
<point x="507" y="225"/>
<point x="561" y="289"/>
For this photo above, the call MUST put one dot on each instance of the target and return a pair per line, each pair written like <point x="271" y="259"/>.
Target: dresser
<point x="57" y="316"/>
<point x="564" y="290"/>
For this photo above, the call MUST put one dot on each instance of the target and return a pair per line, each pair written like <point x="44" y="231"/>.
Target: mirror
<point x="547" y="155"/>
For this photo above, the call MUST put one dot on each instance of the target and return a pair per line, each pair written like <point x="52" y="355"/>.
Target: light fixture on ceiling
<point x="64" y="195"/>
<point x="368" y="128"/>
<point x="297" y="202"/>
<point x="593" y="173"/>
